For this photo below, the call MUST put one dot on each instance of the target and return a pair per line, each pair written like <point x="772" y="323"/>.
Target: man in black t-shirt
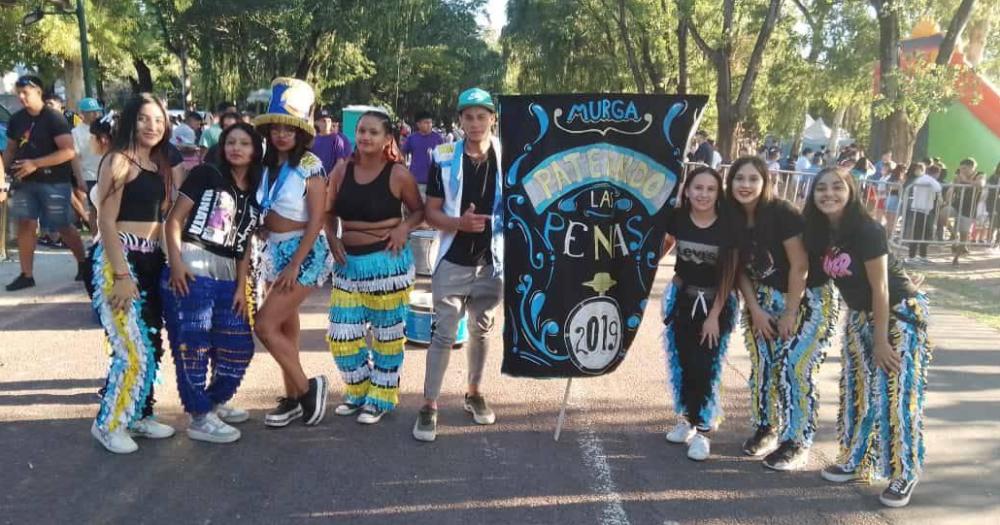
<point x="703" y="151"/>
<point x="39" y="150"/>
<point x="462" y="192"/>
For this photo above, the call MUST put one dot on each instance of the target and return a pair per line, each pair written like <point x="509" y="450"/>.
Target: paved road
<point x="612" y="465"/>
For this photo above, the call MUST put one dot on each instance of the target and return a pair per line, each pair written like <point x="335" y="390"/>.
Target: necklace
<point x="138" y="164"/>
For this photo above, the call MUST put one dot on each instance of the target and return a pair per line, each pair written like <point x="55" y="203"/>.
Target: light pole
<point x="81" y="18"/>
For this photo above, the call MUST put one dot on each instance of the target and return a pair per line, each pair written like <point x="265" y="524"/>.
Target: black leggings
<point x="922" y="225"/>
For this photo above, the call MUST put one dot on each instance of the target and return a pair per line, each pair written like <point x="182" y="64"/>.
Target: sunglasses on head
<point x="25" y="82"/>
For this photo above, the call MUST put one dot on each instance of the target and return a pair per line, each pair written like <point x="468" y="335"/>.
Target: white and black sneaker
<point x="789" y="456"/>
<point x="347" y="409"/>
<point x="314" y="401"/>
<point x="288" y="410"/>
<point x="839" y="474"/>
<point x="898" y="493"/>
<point x="370" y="415"/>
<point x="761" y="442"/>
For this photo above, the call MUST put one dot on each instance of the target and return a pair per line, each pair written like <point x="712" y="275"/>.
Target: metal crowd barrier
<point x="964" y="217"/>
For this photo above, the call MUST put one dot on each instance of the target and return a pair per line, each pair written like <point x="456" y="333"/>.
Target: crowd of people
<point x="232" y="248"/>
<point x="921" y="202"/>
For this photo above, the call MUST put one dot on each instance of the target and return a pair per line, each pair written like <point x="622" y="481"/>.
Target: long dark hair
<point x="818" y="234"/>
<point x="725" y="269"/>
<point x="255" y="168"/>
<point x="124" y="140"/>
<point x="303" y="140"/>
<point x="391" y="151"/>
<point x="764" y="211"/>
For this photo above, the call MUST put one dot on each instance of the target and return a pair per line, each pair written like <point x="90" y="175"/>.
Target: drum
<point x="420" y="318"/>
<point x="423" y="243"/>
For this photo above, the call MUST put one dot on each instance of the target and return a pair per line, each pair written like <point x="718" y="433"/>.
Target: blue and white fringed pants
<point x="133" y="334"/>
<point x="274" y="253"/>
<point x="370" y="292"/>
<point x="695" y="369"/>
<point x="783" y="391"/>
<point x="205" y="331"/>
<point x="880" y="421"/>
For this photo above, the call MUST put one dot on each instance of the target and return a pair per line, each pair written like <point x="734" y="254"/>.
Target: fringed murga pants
<point x="272" y="255"/>
<point x="695" y="369"/>
<point x="203" y="331"/>
<point x="880" y="422"/>
<point x="133" y="334"/>
<point x="783" y="390"/>
<point x="370" y="292"/>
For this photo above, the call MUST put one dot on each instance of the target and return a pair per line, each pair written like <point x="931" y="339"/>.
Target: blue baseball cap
<point x="475" y="97"/>
<point x="89" y="104"/>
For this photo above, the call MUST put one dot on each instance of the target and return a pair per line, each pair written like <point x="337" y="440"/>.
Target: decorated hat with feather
<point x="291" y="104"/>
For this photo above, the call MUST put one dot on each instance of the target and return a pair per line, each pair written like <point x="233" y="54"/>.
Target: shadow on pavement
<point x="347" y="473"/>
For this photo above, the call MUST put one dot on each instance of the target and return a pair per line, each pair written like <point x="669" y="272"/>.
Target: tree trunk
<point x="901" y="137"/>
<point x="682" y="55"/>
<point x="655" y="73"/>
<point x="888" y="61"/>
<point x="308" y="52"/>
<point x="73" y="77"/>
<point x="955" y="28"/>
<point x="143" y="82"/>
<point x="836" y="127"/>
<point x="185" y="80"/>
<point x="633" y="64"/>
<point x="976" y="45"/>
<point x="725" y="140"/>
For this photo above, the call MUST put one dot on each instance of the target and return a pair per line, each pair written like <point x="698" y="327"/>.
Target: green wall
<point x="957" y="133"/>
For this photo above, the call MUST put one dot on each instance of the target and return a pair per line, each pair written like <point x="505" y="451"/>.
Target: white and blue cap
<point x="476" y="97"/>
<point x="89" y="104"/>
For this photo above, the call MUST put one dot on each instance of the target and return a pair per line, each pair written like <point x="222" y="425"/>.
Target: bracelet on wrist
<point x="122" y="276"/>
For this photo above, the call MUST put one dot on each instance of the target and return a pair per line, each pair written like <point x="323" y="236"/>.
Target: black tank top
<point x="372" y="202"/>
<point x="142" y="198"/>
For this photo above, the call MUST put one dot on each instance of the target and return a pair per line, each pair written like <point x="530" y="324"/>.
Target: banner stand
<point x="562" y="410"/>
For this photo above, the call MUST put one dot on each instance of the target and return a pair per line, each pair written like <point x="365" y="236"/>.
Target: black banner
<point x="586" y="181"/>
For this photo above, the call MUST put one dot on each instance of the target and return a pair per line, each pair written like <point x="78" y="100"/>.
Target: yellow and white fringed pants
<point x="880" y="422"/>
<point x="370" y="292"/>
<point x="133" y="334"/>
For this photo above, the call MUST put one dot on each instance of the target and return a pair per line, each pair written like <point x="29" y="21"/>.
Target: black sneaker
<point x="288" y="410"/>
<point x="898" y="493"/>
<point x="314" y="401"/>
<point x="763" y="440"/>
<point x="789" y="456"/>
<point x="21" y="283"/>
<point x="81" y="271"/>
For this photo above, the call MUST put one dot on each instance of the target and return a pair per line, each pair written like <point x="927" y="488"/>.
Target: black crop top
<point x="142" y="198"/>
<point x="372" y="202"/>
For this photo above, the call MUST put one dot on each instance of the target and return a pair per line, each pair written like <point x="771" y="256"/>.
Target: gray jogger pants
<point x="457" y="289"/>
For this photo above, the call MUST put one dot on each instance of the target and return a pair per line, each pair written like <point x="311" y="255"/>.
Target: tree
<point x="732" y="110"/>
<point x="909" y="96"/>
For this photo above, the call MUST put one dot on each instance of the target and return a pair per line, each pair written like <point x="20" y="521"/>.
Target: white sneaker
<point x="231" y="414"/>
<point x="118" y="441"/>
<point x="212" y="429"/>
<point x="150" y="428"/>
<point x="700" y="448"/>
<point x="370" y="416"/>
<point x="681" y="433"/>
